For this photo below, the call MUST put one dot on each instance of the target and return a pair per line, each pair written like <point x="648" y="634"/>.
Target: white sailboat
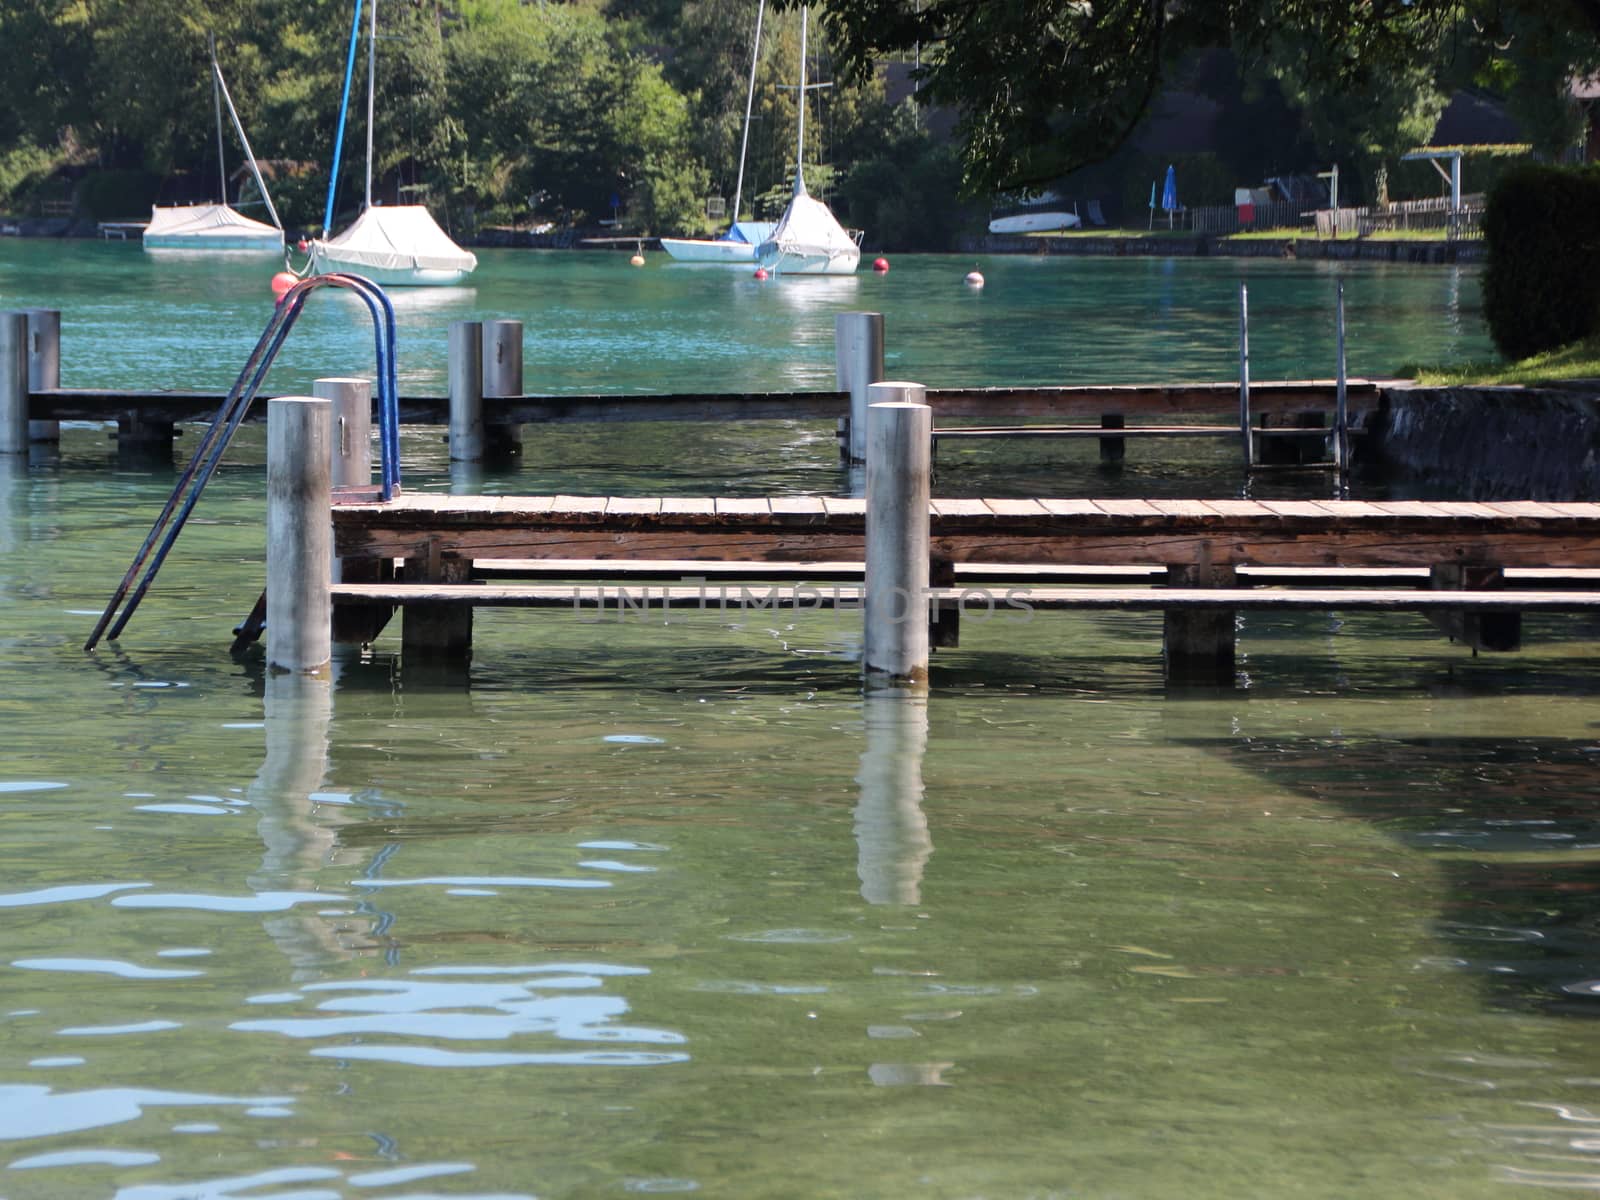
<point x="738" y="245"/>
<point x="808" y="240"/>
<point x="213" y="227"/>
<point x="399" y="246"/>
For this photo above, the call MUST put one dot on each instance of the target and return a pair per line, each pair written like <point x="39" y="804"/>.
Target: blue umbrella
<point x="1169" y="195"/>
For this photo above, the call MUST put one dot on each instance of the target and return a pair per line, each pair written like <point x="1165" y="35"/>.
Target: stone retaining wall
<point x="1487" y="443"/>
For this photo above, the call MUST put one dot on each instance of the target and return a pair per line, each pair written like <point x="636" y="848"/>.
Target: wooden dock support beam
<point x="299" y="534"/>
<point x="502" y="376"/>
<point x="895" y="643"/>
<point x="13" y="383"/>
<point x="44" y="365"/>
<point x="1200" y="645"/>
<point x="858" y="364"/>
<point x="431" y="632"/>
<point x="1480" y="630"/>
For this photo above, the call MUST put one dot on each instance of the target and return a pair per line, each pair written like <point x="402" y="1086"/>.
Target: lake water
<point x="644" y="907"/>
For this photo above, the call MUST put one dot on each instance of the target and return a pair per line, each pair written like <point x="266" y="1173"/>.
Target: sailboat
<point x="738" y="244"/>
<point x="211" y="227"/>
<point x="808" y="240"/>
<point x="399" y="246"/>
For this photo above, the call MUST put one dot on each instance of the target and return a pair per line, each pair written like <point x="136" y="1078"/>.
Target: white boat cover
<point x="207" y="225"/>
<point x="808" y="230"/>
<point x="404" y="237"/>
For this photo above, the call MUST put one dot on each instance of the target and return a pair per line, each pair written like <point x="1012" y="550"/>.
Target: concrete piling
<point x="465" y="362"/>
<point x="299" y="533"/>
<point x="13" y="383"/>
<point x="899" y="472"/>
<point x="44" y="366"/>
<point x="502" y="376"/>
<point x="858" y="361"/>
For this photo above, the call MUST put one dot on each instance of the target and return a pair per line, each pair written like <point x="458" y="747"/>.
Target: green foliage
<point x="23" y="168"/>
<point x="1049" y="86"/>
<point x="1541" y="285"/>
<point x="118" y="192"/>
<point x="907" y="198"/>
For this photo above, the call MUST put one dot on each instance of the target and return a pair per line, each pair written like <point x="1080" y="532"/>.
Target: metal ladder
<point x="1338" y="437"/>
<point x="208" y="453"/>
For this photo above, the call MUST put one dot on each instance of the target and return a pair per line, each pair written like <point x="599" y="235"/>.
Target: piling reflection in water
<point x="298" y="842"/>
<point x="892" y="841"/>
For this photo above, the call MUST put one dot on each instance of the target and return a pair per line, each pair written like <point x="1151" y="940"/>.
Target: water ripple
<point x="430" y="1056"/>
<point x="87" y="1158"/>
<point x="260" y="902"/>
<point x="64" y="894"/>
<point x="30" y="1111"/>
<point x="102" y="966"/>
<point x="482" y="881"/>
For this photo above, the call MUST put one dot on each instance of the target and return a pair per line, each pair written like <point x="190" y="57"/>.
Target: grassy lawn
<point x="1581" y="360"/>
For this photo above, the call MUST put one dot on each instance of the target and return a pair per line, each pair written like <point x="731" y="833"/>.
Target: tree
<point x="1044" y="86"/>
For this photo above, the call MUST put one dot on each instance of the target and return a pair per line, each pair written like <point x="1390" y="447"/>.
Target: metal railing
<point x="217" y="435"/>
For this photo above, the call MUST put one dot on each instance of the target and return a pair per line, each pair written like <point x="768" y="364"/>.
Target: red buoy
<point x="761" y="272"/>
<point x="302" y="245"/>
<point x="880" y="265"/>
<point x="282" y="282"/>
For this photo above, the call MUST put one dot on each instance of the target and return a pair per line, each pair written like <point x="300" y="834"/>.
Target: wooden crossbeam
<point x="722" y="597"/>
<point x="1326" y="533"/>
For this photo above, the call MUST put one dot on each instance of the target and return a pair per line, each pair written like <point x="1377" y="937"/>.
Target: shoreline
<point x="1203" y="245"/>
<point x="1108" y="246"/>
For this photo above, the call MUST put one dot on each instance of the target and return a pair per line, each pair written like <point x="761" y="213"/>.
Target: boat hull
<point x="795" y="262"/>
<point x="1039" y="222"/>
<point x="323" y="264"/>
<point x="728" y="253"/>
<point x="206" y="245"/>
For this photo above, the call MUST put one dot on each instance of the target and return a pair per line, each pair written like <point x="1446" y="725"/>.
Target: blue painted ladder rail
<point x="214" y="441"/>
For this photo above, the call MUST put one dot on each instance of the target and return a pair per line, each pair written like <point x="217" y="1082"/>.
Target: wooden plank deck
<point x="1099" y="532"/>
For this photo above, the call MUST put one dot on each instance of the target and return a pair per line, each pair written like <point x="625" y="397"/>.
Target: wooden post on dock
<point x="44" y="366"/>
<point x="13" y="383"/>
<point x="899" y="470"/>
<point x="502" y="376"/>
<point x="858" y="364"/>
<point x="465" y="364"/>
<point x="299" y="534"/>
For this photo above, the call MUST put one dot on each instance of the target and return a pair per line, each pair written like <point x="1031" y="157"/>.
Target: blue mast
<point x="344" y="108"/>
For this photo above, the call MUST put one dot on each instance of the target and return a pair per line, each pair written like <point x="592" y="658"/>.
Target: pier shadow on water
<point x="1510" y="824"/>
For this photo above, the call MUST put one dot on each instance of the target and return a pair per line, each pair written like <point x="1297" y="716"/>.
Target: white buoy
<point x="973" y="279"/>
<point x="637" y="260"/>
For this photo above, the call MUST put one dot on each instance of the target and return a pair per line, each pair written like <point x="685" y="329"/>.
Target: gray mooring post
<point x="13" y="383"/>
<point x="44" y="366"/>
<point x="350" y="450"/>
<point x="502" y="376"/>
<point x="1341" y="414"/>
<point x="899" y="468"/>
<point x="465" y="363"/>
<point x="858" y="364"/>
<point x="1244" y="378"/>
<point x="299" y="533"/>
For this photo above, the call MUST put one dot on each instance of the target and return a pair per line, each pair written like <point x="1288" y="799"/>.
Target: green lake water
<point x="649" y="906"/>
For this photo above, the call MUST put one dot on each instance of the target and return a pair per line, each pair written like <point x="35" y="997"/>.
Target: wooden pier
<point x="1472" y="567"/>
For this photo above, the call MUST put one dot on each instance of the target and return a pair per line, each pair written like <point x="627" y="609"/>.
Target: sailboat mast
<point x="216" y="99"/>
<point x="800" y="140"/>
<point x="372" y="79"/>
<point x="749" y="100"/>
